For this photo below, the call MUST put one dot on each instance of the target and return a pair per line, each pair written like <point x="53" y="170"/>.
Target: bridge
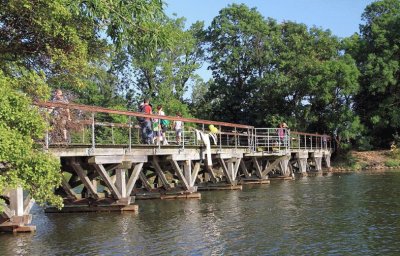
<point x="106" y="168"/>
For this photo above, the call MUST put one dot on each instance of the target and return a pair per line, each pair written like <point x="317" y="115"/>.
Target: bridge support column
<point x="317" y="158"/>
<point x="16" y="217"/>
<point x="327" y="158"/>
<point x="249" y="176"/>
<point x="120" y="182"/>
<point x="284" y="166"/>
<point x="229" y="164"/>
<point x="302" y="157"/>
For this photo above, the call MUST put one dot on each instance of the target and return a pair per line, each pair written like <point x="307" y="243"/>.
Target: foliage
<point x="266" y="73"/>
<point x="66" y="44"/>
<point x="20" y="162"/>
<point x="377" y="52"/>
<point x="345" y="159"/>
<point x="239" y="53"/>
<point x="164" y="73"/>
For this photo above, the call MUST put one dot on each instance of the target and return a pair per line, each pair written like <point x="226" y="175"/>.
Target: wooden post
<point x="17" y="215"/>
<point x="283" y="164"/>
<point x="121" y="182"/>
<point x="327" y="158"/>
<point x="133" y="178"/>
<point x="302" y="161"/>
<point x="257" y="168"/>
<point x="160" y="173"/>
<point x="17" y="201"/>
<point x="187" y="170"/>
<point x="244" y="169"/>
<point x="180" y="174"/>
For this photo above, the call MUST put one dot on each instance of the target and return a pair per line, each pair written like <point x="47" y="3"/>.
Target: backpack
<point x="164" y="123"/>
<point x="141" y="110"/>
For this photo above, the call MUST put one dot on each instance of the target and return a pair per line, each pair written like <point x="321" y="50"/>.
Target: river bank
<point x="367" y="160"/>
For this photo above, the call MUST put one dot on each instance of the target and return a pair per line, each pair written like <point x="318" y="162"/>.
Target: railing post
<point x="220" y="139"/>
<point x="47" y="132"/>
<point x="112" y="134"/>
<point x="183" y="136"/>
<point x="83" y="134"/>
<point x="321" y="138"/>
<point x="236" y="134"/>
<point x="299" y="141"/>
<point x="93" y="136"/>
<point x="130" y="133"/>
<point x="159" y="133"/>
<point x="255" y="140"/>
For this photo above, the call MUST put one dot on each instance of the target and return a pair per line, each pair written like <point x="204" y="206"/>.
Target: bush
<point x="392" y="163"/>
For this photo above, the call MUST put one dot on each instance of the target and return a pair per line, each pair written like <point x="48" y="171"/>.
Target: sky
<point x="342" y="17"/>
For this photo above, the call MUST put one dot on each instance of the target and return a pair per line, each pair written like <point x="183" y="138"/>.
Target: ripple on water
<point x="353" y="214"/>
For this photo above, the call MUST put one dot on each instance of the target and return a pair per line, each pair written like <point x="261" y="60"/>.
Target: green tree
<point x="239" y="54"/>
<point x="48" y="44"/>
<point x="164" y="73"/>
<point x="21" y="162"/>
<point x="315" y="81"/>
<point x="377" y="52"/>
<point x="266" y="73"/>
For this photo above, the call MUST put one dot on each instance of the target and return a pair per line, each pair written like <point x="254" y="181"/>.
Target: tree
<point x="21" y="162"/>
<point x="377" y="52"/>
<point x="164" y="73"/>
<point x="266" y="73"/>
<point x="48" y="44"/>
<point x="315" y="81"/>
<point x="239" y="54"/>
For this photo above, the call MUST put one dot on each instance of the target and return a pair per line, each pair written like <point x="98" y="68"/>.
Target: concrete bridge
<point x="105" y="168"/>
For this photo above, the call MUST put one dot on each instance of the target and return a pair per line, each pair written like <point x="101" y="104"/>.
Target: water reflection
<point x="339" y="215"/>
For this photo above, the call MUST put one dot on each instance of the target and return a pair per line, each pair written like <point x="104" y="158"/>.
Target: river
<point x="339" y="214"/>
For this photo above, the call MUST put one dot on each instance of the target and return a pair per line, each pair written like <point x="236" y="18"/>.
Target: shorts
<point x="178" y="132"/>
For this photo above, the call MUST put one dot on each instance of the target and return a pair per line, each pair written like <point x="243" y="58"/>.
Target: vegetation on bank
<point x="114" y="53"/>
<point x="364" y="160"/>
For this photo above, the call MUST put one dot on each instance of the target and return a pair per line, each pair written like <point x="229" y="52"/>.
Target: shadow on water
<point x="339" y="214"/>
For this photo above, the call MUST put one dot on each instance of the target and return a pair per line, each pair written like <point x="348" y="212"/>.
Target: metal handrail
<point x="229" y="134"/>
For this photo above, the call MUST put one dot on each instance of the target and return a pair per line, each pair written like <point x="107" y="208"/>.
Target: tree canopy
<point x="265" y="73"/>
<point x="50" y="44"/>
<point x="115" y="53"/>
<point x="377" y="52"/>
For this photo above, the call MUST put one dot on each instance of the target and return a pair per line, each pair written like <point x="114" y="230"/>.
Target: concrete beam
<point x="117" y="159"/>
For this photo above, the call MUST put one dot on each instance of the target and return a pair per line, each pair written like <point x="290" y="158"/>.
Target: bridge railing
<point x="95" y="126"/>
<point x="310" y="141"/>
<point x="102" y="126"/>
<point x="272" y="140"/>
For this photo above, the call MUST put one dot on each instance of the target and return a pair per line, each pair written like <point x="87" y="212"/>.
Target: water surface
<point x="346" y="214"/>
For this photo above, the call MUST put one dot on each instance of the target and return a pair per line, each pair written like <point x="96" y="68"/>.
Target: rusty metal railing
<point x="102" y="126"/>
<point x="310" y="141"/>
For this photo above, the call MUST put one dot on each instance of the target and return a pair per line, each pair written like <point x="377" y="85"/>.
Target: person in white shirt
<point x="162" y="127"/>
<point x="178" y="126"/>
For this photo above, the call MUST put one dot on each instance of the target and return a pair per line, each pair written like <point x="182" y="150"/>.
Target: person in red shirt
<point x="147" y="126"/>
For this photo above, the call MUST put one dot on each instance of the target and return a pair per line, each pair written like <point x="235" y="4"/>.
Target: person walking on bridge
<point x="60" y="115"/>
<point x="283" y="134"/>
<point x="146" y="125"/>
<point x="178" y="126"/>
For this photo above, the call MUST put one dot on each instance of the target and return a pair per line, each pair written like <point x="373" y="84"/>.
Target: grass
<point x="392" y="163"/>
<point x="348" y="161"/>
<point x="394" y="158"/>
